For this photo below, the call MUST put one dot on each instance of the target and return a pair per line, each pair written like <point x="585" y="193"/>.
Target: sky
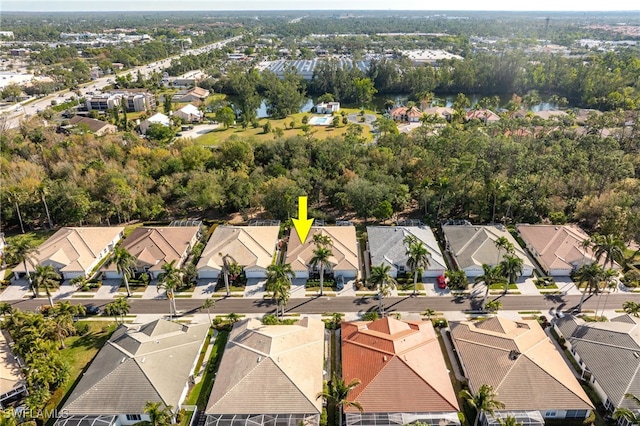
<point x="162" y="5"/>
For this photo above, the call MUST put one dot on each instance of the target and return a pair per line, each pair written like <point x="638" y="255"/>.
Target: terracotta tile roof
<point x="482" y="114"/>
<point x="520" y="362"/>
<point x="400" y="367"/>
<point x="345" y="248"/>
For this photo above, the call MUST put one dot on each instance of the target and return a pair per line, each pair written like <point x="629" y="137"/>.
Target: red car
<point x="442" y="282"/>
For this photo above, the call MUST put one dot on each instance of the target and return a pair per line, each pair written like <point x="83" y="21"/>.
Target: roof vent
<point x="513" y="355"/>
<point x="259" y="358"/>
<point x="123" y="360"/>
<point x="142" y="360"/>
<point x="636" y="354"/>
<point x="384" y="358"/>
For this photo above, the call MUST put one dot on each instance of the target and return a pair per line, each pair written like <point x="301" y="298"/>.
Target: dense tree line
<point x="519" y="170"/>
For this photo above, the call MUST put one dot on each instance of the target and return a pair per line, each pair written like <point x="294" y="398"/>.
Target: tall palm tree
<point x="208" y="304"/>
<point x="159" y="415"/>
<point x="169" y="280"/>
<point x="47" y="278"/>
<point x="279" y="284"/>
<point x="502" y="243"/>
<point x="384" y="283"/>
<point x="590" y="275"/>
<point x="609" y="246"/>
<point x="611" y="284"/>
<point x="585" y="245"/>
<point x="417" y="258"/>
<point x="484" y="401"/>
<point x="320" y="259"/>
<point x="59" y="328"/>
<point x="336" y="392"/>
<point x="631" y="308"/>
<point x="491" y="275"/>
<point x="118" y="308"/>
<point x="229" y="266"/>
<point x="510" y="268"/>
<point x="21" y="250"/>
<point x="322" y="240"/>
<point x="125" y="264"/>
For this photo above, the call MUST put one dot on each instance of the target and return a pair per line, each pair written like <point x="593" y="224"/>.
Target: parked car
<point x="442" y="282"/>
<point x="92" y="309"/>
<point x="339" y="282"/>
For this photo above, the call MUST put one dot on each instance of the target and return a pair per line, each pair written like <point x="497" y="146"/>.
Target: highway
<point x="97" y="85"/>
<point x="319" y="305"/>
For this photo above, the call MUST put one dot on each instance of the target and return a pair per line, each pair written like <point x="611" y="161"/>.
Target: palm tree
<point x="5" y="308"/>
<point x="169" y="280"/>
<point x="320" y="259"/>
<point x="611" y="283"/>
<point x="233" y="318"/>
<point x="384" y="283"/>
<point x="47" y="278"/>
<point x="502" y="243"/>
<point x="208" y="304"/>
<point x="417" y="258"/>
<point x="21" y="250"/>
<point x="8" y="417"/>
<point x="631" y="308"/>
<point x="510" y="268"/>
<point x="279" y="284"/>
<point x="322" y="240"/>
<point x="509" y="421"/>
<point x="625" y="413"/>
<point x="59" y="328"/>
<point x="336" y="392"/>
<point x="484" y="401"/>
<point x="158" y="415"/>
<point x="591" y="275"/>
<point x="229" y="266"/>
<point x="429" y="313"/>
<point x="609" y="246"/>
<point x="585" y="245"/>
<point x="491" y="275"/>
<point x="125" y="263"/>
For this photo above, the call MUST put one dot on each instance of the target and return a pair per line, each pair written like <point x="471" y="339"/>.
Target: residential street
<point x="320" y="305"/>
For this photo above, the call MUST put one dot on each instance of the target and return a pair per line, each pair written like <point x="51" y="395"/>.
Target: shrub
<point x="270" y="319"/>
<point x="82" y="328"/>
<point x="370" y="316"/>
<point x="631" y="278"/>
<point x="439" y="322"/>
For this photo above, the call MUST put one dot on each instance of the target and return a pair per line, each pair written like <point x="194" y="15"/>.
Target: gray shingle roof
<point x="137" y="360"/>
<point x="611" y="351"/>
<point x="387" y="247"/>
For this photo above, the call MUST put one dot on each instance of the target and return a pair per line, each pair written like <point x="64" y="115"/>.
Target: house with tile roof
<point x="608" y="354"/>
<point x="154" y="246"/>
<point x="402" y="372"/>
<point x="471" y="246"/>
<point x="252" y="247"/>
<point x="444" y="113"/>
<point x="344" y="261"/>
<point x="73" y="251"/>
<point x="523" y="366"/>
<point x="12" y="383"/>
<point x="191" y="95"/>
<point x="411" y="114"/>
<point x="558" y="248"/>
<point x="139" y="363"/>
<point x="385" y="246"/>
<point x="484" y="115"/>
<point x="269" y="374"/>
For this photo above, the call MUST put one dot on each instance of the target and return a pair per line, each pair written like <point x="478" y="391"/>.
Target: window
<point x="134" y="417"/>
<point x="576" y="414"/>
<point x="550" y="413"/>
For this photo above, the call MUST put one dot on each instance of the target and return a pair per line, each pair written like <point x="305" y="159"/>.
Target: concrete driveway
<point x="198" y="130"/>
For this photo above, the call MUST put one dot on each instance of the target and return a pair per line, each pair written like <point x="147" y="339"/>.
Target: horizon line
<point x="326" y="10"/>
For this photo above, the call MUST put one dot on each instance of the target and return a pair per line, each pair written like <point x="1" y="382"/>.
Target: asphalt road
<point x="320" y="305"/>
<point x="33" y="108"/>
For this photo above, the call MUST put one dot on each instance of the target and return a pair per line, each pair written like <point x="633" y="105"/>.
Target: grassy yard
<point x="199" y="394"/>
<point x="320" y="132"/>
<point x="501" y="287"/>
<point x="78" y="353"/>
<point x="38" y="237"/>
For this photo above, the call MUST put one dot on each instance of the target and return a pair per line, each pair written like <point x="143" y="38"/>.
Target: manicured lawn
<point x="38" y="237"/>
<point x="501" y="287"/>
<point x="78" y="353"/>
<point x="320" y="132"/>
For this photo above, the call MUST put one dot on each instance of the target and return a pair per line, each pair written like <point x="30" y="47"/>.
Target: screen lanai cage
<point x="262" y="420"/>
<point x="385" y="419"/>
